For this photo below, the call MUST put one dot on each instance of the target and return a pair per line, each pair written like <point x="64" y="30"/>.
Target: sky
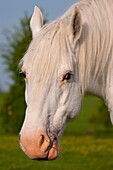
<point x="11" y="11"/>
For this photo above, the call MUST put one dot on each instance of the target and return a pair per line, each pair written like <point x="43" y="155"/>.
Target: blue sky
<point x="11" y="11"/>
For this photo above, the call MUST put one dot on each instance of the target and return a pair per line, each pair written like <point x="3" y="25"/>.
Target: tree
<point x="102" y="119"/>
<point x="14" y="105"/>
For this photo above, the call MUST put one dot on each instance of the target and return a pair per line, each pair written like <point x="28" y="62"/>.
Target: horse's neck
<point x="96" y="89"/>
<point x="95" y="61"/>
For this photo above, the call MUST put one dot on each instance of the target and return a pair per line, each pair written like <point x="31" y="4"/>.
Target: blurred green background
<point x="87" y="142"/>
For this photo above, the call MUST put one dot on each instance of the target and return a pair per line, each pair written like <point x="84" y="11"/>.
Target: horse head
<point x="52" y="94"/>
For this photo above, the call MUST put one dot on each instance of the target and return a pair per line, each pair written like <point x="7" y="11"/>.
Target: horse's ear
<point x="76" y="24"/>
<point x="36" y="21"/>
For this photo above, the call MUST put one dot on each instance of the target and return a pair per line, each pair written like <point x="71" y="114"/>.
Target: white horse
<point x="66" y="58"/>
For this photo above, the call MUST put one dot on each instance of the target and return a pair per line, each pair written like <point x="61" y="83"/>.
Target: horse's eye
<point x="67" y="76"/>
<point x="23" y="74"/>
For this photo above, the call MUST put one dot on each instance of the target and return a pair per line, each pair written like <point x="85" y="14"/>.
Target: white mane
<point x="95" y="47"/>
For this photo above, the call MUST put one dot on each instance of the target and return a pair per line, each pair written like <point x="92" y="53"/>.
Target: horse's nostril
<point x="42" y="138"/>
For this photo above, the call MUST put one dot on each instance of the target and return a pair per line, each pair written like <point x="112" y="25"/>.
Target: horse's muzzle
<point x="39" y="147"/>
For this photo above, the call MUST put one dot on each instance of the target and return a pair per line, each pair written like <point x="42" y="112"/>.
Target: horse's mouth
<point x="53" y="151"/>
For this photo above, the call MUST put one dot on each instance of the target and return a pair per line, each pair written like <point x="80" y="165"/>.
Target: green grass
<point x="77" y="153"/>
<point x="81" y="148"/>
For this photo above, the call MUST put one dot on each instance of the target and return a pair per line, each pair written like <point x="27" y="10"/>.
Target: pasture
<point x="81" y="147"/>
<point x="77" y="153"/>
